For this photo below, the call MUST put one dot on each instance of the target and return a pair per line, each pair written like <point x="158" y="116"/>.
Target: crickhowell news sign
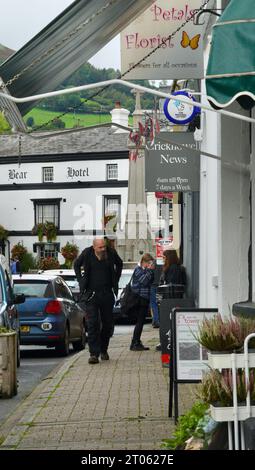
<point x="172" y="163"/>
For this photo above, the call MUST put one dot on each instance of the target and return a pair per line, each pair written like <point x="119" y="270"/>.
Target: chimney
<point x="120" y="116"/>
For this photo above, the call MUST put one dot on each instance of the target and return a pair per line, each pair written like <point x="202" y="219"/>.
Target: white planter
<point x="223" y="361"/>
<point x="8" y="364"/>
<point x="222" y="414"/>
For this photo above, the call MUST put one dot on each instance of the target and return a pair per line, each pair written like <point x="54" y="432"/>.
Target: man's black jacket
<point x="84" y="261"/>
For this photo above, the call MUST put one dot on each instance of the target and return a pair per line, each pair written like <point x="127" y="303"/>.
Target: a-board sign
<point x="166" y="306"/>
<point x="191" y="357"/>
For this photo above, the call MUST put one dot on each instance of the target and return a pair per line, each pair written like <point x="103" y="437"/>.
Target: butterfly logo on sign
<point x="193" y="42"/>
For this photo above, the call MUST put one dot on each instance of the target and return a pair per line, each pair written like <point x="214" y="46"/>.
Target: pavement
<point x="117" y="404"/>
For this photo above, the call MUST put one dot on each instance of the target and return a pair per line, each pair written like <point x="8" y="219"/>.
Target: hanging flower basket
<point x="19" y="251"/>
<point x="69" y="252"/>
<point x="3" y="233"/>
<point x="49" y="263"/>
<point x="50" y="231"/>
<point x="39" y="230"/>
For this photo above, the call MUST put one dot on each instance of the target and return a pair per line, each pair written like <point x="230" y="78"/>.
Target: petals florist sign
<point x="178" y="57"/>
<point x="172" y="163"/>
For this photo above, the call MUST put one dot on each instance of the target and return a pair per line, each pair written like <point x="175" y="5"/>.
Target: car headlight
<point x="46" y="326"/>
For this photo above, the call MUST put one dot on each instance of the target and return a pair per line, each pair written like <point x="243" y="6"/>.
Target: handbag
<point x="128" y="300"/>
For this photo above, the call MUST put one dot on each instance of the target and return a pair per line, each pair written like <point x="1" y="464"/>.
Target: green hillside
<point x="95" y="104"/>
<point x="4" y="126"/>
<point x="86" y="108"/>
<point x="42" y="116"/>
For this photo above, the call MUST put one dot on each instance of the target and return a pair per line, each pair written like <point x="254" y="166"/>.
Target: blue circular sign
<point x="179" y="112"/>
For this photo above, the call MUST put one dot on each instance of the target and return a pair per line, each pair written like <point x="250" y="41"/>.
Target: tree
<point x="58" y="123"/>
<point x="89" y="74"/>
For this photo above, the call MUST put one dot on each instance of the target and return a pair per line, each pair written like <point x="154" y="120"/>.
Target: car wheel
<point x="80" y="345"/>
<point x="63" y="346"/>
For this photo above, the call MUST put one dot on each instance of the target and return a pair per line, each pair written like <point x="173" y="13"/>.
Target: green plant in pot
<point x="217" y="387"/>
<point x="186" y="427"/>
<point x="225" y="334"/>
<point x="39" y="230"/>
<point x="50" y="231"/>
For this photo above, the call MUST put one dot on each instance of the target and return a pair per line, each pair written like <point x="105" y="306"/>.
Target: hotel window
<point x="48" y="174"/>
<point x="112" y="171"/>
<point x="49" y="250"/>
<point x="112" y="206"/>
<point x="47" y="210"/>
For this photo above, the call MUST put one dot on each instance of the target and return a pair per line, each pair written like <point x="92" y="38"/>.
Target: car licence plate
<point x="25" y="329"/>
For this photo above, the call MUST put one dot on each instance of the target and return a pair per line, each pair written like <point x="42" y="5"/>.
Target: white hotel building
<point x="71" y="179"/>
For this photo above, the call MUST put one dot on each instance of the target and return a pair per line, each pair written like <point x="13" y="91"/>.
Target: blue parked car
<point x="9" y="317"/>
<point x="50" y="316"/>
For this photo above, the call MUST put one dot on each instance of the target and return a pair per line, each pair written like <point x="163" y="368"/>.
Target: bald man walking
<point x="98" y="269"/>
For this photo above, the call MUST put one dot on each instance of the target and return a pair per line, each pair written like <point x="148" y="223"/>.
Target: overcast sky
<point x="21" y="20"/>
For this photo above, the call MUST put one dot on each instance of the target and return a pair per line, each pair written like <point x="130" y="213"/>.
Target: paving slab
<point x="117" y="404"/>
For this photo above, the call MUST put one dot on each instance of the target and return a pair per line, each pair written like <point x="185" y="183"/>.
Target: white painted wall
<point x="235" y="208"/>
<point x="253" y="204"/>
<point x="86" y="203"/>
<point x="82" y="209"/>
<point x="224" y="209"/>
<point x="209" y="206"/>
<point x="90" y="170"/>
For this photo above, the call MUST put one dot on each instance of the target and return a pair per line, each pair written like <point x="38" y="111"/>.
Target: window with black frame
<point x="112" y="208"/>
<point x="47" y="210"/>
<point x="48" y="250"/>
<point x="112" y="171"/>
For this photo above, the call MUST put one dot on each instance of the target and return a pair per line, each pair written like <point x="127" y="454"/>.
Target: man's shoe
<point x="105" y="356"/>
<point x="138" y="347"/>
<point x="155" y="325"/>
<point x="158" y="347"/>
<point x="93" y="359"/>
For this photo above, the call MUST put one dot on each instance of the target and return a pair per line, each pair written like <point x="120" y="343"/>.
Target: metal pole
<point x="117" y="81"/>
<point x="247" y="375"/>
<point x="230" y="437"/>
<point x="171" y="372"/>
<point x="235" y="405"/>
<point x="242" y="436"/>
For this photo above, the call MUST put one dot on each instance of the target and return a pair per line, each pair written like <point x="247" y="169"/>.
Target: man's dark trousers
<point x="99" y="315"/>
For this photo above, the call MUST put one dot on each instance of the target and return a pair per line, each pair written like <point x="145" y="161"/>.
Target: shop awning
<point x="65" y="44"/>
<point x="231" y="68"/>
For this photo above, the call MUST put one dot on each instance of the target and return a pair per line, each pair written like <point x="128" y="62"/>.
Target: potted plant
<point x="110" y="223"/>
<point x="3" y="233"/>
<point x="39" y="230"/>
<point x="217" y="390"/>
<point x="18" y="251"/>
<point x="49" y="263"/>
<point x="50" y="231"/>
<point x="192" y="425"/>
<point x="69" y="252"/>
<point x="227" y="385"/>
<point x="225" y="334"/>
